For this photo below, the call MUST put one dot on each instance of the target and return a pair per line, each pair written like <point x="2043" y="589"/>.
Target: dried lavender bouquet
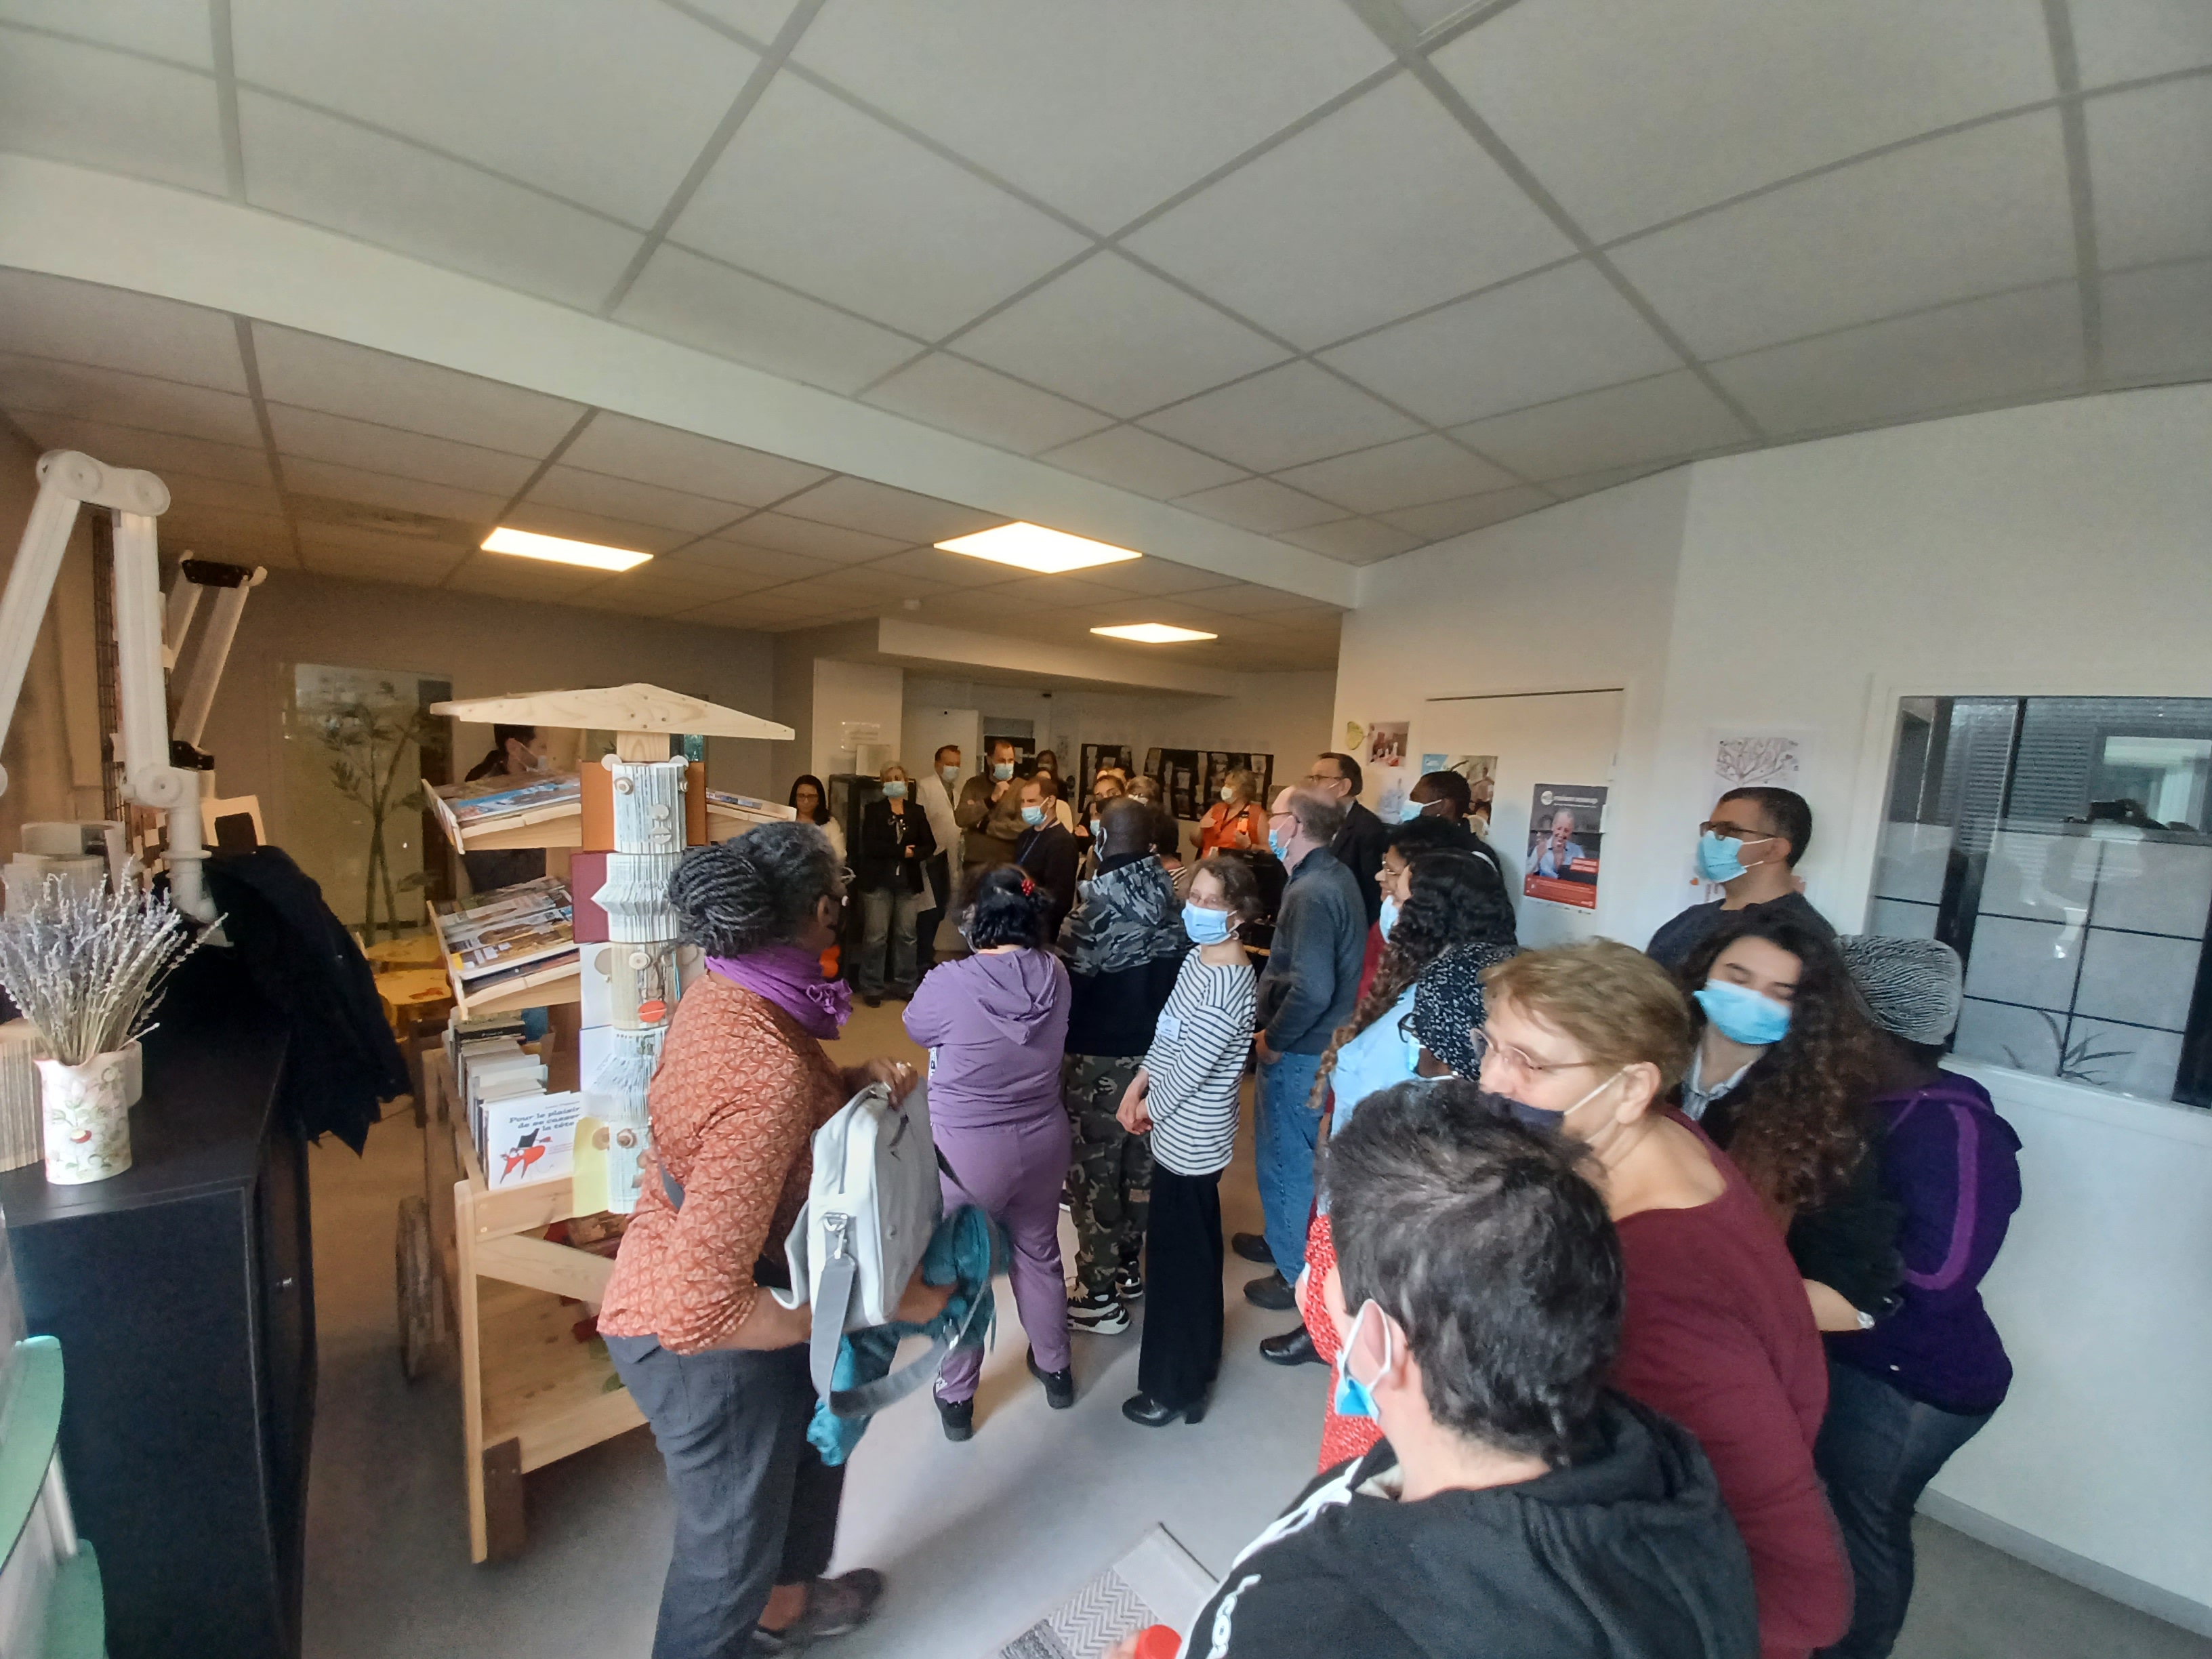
<point x="87" y="968"/>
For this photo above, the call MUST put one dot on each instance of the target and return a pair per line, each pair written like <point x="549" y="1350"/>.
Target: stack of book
<point x="520" y="1133"/>
<point x="509" y="939"/>
<point x="500" y="803"/>
<point x="748" y="810"/>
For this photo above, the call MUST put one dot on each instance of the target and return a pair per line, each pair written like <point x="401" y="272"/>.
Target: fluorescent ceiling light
<point x="1032" y="547"/>
<point x="1153" y="634"/>
<point x="529" y="544"/>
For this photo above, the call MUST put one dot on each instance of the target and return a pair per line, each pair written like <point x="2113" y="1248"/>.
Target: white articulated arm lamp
<point x="67" y="481"/>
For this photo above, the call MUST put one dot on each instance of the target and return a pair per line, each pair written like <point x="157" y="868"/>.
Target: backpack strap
<point x="872" y="1397"/>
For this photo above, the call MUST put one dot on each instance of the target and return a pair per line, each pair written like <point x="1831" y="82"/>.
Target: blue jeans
<point x="1285" y="1131"/>
<point x="1877" y="1449"/>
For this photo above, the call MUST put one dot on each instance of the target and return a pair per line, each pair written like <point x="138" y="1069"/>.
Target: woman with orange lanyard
<point x="1234" y="823"/>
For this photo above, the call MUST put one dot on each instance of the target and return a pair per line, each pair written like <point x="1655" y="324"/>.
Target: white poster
<point x="1758" y="758"/>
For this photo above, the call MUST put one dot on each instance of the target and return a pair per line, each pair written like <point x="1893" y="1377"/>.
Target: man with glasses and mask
<point x="1358" y="846"/>
<point x="1750" y="846"/>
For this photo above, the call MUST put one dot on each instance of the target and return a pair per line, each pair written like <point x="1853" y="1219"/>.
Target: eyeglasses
<point x="1520" y="1058"/>
<point x="1732" y="831"/>
<point x="1324" y="777"/>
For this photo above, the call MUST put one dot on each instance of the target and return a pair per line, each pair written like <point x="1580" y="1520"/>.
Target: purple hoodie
<point x="997" y="1025"/>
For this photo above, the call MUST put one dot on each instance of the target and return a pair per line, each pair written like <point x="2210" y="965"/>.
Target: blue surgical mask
<point x="1741" y="1015"/>
<point x="1002" y="770"/>
<point x="1355" y="1398"/>
<point x="1096" y="834"/>
<point x="1205" y="927"/>
<point x="1278" y="843"/>
<point x="950" y="774"/>
<point x="1720" y="858"/>
<point x="1033" y="816"/>
<point x="894" y="790"/>
<point x="1389" y="916"/>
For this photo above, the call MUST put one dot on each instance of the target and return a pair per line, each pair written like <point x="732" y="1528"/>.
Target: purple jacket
<point x="1952" y="1166"/>
<point x="997" y="1026"/>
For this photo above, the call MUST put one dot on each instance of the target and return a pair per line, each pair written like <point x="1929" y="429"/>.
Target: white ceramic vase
<point x="86" y="1110"/>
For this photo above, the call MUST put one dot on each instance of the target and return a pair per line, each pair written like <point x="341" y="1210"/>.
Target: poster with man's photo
<point x="1567" y="822"/>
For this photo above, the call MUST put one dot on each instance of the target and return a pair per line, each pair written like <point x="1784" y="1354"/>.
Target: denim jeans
<point x="890" y="914"/>
<point x="1876" y="1450"/>
<point x="1285" y="1131"/>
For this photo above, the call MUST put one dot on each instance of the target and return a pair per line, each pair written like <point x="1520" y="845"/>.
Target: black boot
<point x="958" y="1417"/>
<point x="1142" y="1408"/>
<point x="1294" y="1347"/>
<point x="1058" y="1386"/>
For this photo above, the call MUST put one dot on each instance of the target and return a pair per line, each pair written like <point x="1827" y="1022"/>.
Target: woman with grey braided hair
<point x="718" y="1366"/>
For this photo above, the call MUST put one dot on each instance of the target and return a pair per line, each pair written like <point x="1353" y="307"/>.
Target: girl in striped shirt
<point x="1186" y="1094"/>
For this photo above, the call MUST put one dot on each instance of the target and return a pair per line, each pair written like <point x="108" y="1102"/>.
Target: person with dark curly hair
<point x="1587" y="1040"/>
<point x="718" y="1366"/>
<point x="995" y="1022"/>
<point x="1782" y="1076"/>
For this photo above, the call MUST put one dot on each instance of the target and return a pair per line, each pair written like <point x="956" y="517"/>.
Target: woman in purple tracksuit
<point x="1914" y="1386"/>
<point x="995" y="1024"/>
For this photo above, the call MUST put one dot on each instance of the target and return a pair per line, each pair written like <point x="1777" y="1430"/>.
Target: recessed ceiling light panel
<point x="528" y="544"/>
<point x="1033" y="547"/>
<point x="1153" y="634"/>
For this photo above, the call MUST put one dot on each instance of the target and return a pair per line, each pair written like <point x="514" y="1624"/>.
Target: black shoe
<point x="1253" y="1247"/>
<point x="1142" y="1409"/>
<point x="1273" y="1292"/>
<point x="873" y="1001"/>
<point x="1291" y="1348"/>
<point x="834" y="1607"/>
<point x="1128" y="1283"/>
<point x="1058" y="1386"/>
<point x="958" y="1417"/>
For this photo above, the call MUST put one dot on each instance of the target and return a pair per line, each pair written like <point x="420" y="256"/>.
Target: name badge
<point x="1171" y="1029"/>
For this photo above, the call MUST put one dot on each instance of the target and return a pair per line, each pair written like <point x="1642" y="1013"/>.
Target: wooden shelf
<point x="542" y="1387"/>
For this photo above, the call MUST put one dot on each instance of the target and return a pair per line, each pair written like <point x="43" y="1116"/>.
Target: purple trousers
<point x="1014" y="1172"/>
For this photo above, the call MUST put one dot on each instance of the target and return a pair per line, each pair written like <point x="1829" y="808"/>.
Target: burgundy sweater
<point x="1719" y="1336"/>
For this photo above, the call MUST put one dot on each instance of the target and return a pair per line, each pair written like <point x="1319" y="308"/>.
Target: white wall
<point x="850" y="697"/>
<point x="2065" y="548"/>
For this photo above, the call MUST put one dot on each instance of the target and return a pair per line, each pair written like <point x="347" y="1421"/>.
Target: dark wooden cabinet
<point x="182" y="1292"/>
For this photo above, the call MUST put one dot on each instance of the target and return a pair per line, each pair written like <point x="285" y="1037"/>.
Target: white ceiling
<point x="1357" y="274"/>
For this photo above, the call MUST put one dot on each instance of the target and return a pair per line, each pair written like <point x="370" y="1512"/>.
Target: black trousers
<point x="927" y="924"/>
<point x="1182" y="1350"/>
<point x="756" y="1506"/>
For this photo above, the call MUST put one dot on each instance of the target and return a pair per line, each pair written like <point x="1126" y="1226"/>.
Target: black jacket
<point x="1359" y="847"/>
<point x="1628" y="1554"/>
<point x="1049" y="855"/>
<point x="884" y="834"/>
<point x="1123" y="945"/>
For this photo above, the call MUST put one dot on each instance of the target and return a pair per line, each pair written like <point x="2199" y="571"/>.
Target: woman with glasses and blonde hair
<point x="1586" y="1040"/>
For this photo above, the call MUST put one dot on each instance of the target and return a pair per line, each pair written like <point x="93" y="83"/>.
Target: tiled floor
<point x="978" y="1540"/>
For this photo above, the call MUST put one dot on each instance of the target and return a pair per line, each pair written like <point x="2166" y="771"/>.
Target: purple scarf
<point x="790" y="978"/>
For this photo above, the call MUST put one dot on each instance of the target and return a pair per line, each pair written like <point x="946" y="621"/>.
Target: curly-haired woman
<point x="1237" y="822"/>
<point x="1782" y="1076"/>
<point x="718" y="1368"/>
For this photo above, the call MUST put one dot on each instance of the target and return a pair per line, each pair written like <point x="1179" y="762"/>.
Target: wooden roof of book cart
<point x="618" y="709"/>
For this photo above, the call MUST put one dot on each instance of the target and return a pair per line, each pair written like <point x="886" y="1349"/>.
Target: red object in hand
<point x="1157" y="1642"/>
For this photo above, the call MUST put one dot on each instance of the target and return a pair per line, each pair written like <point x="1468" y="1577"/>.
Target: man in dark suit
<point x="1358" y="846"/>
<point x="1047" y="851"/>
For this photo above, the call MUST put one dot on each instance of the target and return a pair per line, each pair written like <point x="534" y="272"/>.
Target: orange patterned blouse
<point x="740" y="1091"/>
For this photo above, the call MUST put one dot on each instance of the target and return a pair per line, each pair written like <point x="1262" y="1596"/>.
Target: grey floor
<point x="978" y="1540"/>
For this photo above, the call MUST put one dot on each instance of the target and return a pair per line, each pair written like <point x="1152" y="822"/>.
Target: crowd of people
<point x="1647" y="1280"/>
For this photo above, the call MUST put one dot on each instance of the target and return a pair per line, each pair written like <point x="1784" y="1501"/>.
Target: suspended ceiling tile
<point x="102" y="109"/>
<point x="1412" y="472"/>
<point x="2011" y="345"/>
<point x="353" y="484"/>
<point x="1661" y="419"/>
<point x="623" y="499"/>
<point x="337" y="379"/>
<point x="609" y="108"/>
<point x="140" y="400"/>
<point x="1447" y="519"/>
<point x="1589" y="483"/>
<point x="1298" y="412"/>
<point x="1259" y="504"/>
<point x="188" y="489"/>
<point x="1975" y="213"/>
<point x="958" y="396"/>
<point x="744" y="568"/>
<point x="310" y="435"/>
<point x="628" y="534"/>
<point x="1133" y="459"/>
<point x="519" y="579"/>
<point x="2124" y="39"/>
<point x="1633" y="114"/>
<point x="2150" y="164"/>
<point x="112" y="328"/>
<point x="1250" y="600"/>
<point x="1353" y="541"/>
<point x="2158" y="323"/>
<point x="1100" y="110"/>
<point x="150" y="452"/>
<point x="1115" y="336"/>
<point x="159" y="29"/>
<point x="329" y="172"/>
<point x="230" y="537"/>
<point x="1382" y="208"/>
<point x="748" y="612"/>
<point x="1541" y="338"/>
<point x="1150" y="575"/>
<point x="452" y="545"/>
<point x="948" y="570"/>
<point x="813" y="193"/>
<point x="416" y="566"/>
<point x="872" y="584"/>
<point x="760" y="19"/>
<point x="697" y="302"/>
<point x="624" y="448"/>
<point x="1027" y="593"/>
<point x="880" y="510"/>
<point x="785" y="534"/>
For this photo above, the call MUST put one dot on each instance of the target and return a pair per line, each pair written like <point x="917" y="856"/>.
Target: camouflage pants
<point x="1110" y="1178"/>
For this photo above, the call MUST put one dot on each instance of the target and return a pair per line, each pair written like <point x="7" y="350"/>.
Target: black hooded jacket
<point x="1628" y="1554"/>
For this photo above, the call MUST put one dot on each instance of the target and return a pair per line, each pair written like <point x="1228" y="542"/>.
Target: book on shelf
<point x="533" y="1137"/>
<point x="504" y="803"/>
<point x="750" y="807"/>
<point x="493" y="934"/>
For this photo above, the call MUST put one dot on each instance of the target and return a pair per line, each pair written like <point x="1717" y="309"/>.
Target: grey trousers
<point x="756" y="1506"/>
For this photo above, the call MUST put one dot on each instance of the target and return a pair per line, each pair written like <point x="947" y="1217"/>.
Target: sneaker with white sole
<point x="1099" y="1313"/>
<point x="1128" y="1284"/>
